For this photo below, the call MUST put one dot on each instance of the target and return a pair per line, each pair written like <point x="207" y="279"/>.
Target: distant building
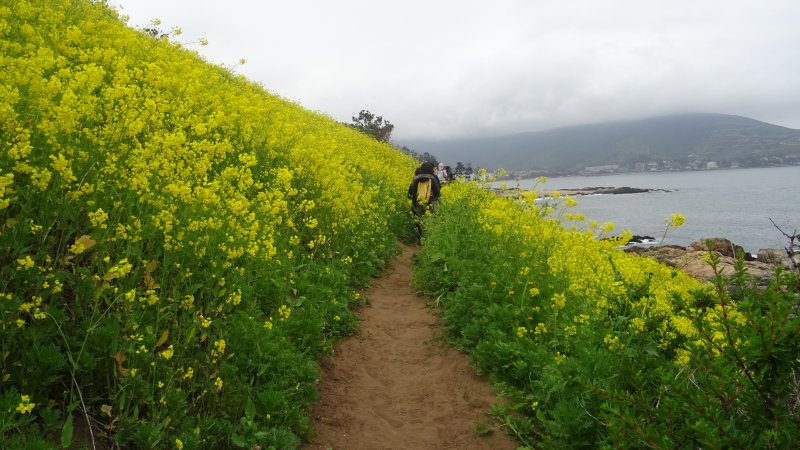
<point x="712" y="165"/>
<point x="601" y="169"/>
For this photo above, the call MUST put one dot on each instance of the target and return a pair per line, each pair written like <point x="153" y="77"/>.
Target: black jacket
<point x="435" y="188"/>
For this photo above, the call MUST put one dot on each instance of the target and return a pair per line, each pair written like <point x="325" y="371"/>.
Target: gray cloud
<point x="457" y="68"/>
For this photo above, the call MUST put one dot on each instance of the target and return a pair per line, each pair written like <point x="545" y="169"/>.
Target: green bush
<point x="596" y="348"/>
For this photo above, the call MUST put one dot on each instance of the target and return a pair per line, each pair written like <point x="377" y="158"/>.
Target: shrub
<point x="594" y="347"/>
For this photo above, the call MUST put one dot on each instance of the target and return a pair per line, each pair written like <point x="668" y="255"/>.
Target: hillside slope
<point x="672" y="141"/>
<point x="177" y="246"/>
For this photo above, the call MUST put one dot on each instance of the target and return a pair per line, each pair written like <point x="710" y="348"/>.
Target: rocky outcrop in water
<point x="599" y="190"/>
<point x="603" y="190"/>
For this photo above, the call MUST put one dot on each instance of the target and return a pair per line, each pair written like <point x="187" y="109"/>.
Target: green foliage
<point x="610" y="351"/>
<point x="176" y="244"/>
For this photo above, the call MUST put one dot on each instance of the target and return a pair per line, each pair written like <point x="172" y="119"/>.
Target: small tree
<point x="462" y="170"/>
<point x="419" y="156"/>
<point x="372" y="125"/>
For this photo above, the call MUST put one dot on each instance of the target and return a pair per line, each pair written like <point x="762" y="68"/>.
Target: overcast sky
<point x="447" y="68"/>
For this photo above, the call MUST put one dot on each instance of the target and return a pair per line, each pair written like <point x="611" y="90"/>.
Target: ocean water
<point x="736" y="204"/>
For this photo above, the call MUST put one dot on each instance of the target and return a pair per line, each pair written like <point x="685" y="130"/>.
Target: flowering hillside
<point x="178" y="245"/>
<point x="596" y="348"/>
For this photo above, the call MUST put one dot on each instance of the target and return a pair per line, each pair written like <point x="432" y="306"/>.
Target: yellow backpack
<point x="423" y="191"/>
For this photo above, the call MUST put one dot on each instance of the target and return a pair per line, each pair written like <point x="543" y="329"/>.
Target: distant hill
<point x="660" y="143"/>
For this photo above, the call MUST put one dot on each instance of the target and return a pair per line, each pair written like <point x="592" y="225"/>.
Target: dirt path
<point x="397" y="385"/>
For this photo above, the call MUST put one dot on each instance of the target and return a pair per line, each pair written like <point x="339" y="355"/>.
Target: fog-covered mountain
<point x="659" y="143"/>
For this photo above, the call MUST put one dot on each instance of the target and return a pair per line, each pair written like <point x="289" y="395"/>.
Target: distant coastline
<point x="701" y="141"/>
<point x="534" y="173"/>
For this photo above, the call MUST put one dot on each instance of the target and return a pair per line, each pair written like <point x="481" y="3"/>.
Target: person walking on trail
<point x="443" y="174"/>
<point x="423" y="192"/>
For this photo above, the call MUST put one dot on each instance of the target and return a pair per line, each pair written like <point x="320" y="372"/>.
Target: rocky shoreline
<point x="691" y="259"/>
<point x="597" y="190"/>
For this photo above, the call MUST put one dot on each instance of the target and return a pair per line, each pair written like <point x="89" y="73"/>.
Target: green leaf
<point x="651" y="349"/>
<point x="66" y="433"/>
<point x="250" y="409"/>
<point x="238" y="441"/>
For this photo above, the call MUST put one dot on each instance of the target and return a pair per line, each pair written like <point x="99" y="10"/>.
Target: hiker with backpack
<point x="423" y="192"/>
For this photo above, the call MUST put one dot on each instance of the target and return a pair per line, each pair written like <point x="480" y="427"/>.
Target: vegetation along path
<point x="397" y="385"/>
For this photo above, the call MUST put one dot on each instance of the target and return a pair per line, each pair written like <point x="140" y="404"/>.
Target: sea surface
<point x="734" y="203"/>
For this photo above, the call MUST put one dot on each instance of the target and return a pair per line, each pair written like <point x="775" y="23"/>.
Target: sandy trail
<point x="397" y="385"/>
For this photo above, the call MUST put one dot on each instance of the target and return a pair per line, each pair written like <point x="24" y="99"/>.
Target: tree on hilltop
<point x="419" y="156"/>
<point x="380" y="129"/>
<point x="372" y="125"/>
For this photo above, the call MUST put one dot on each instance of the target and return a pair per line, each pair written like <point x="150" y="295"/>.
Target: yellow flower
<point x="581" y="319"/>
<point x="521" y="331"/>
<point x="219" y="346"/>
<point x="167" y="354"/>
<point x="25" y="263"/>
<point x="189" y="374"/>
<point x="682" y="357"/>
<point x="675" y="220"/>
<point x="25" y="406"/>
<point x="559" y="300"/>
<point x="607" y="227"/>
<point x="99" y="218"/>
<point x="179" y="444"/>
<point x="612" y="342"/>
<point x="636" y="324"/>
<point x="218" y="384"/>
<point x="82" y="244"/>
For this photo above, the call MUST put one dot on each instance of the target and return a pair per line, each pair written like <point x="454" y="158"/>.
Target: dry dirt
<point x="397" y="385"/>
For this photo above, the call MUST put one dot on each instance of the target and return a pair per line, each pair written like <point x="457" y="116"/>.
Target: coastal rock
<point x="692" y="260"/>
<point x="636" y="239"/>
<point x="775" y="256"/>
<point x="720" y="245"/>
<point x="605" y="190"/>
